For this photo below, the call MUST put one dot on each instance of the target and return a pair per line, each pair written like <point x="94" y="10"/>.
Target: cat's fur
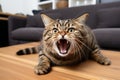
<point x="67" y="42"/>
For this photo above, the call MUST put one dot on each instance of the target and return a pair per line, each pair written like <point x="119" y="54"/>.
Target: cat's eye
<point x="71" y="30"/>
<point x="55" y="30"/>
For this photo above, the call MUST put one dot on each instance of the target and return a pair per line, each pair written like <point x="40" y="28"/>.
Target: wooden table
<point x="13" y="67"/>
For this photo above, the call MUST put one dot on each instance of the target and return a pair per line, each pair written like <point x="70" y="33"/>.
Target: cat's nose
<point x="63" y="33"/>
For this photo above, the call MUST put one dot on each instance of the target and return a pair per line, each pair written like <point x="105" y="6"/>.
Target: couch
<point x="104" y="20"/>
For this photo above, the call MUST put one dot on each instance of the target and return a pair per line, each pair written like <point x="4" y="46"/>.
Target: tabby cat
<point x="66" y="42"/>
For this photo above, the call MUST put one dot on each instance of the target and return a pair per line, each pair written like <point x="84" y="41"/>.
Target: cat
<point x="66" y="42"/>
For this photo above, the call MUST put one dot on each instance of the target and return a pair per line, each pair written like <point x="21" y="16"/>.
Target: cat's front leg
<point x="43" y="66"/>
<point x="100" y="58"/>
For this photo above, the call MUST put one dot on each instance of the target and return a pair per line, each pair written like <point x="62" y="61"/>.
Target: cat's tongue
<point x="63" y="46"/>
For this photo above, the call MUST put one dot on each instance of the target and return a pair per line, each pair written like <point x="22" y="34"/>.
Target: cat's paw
<point x="105" y="61"/>
<point x="42" y="69"/>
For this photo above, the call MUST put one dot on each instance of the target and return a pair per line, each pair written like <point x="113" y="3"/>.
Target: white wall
<point x="29" y="5"/>
<point x="19" y="6"/>
<point x="106" y="1"/>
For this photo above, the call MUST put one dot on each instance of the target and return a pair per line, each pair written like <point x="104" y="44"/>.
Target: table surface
<point x="3" y="13"/>
<point x="6" y="15"/>
<point x="13" y="67"/>
<point x="3" y="18"/>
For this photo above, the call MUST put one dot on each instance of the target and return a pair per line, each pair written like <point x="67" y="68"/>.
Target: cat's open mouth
<point x="63" y="46"/>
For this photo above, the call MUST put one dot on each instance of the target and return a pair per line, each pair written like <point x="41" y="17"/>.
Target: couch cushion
<point x="27" y="34"/>
<point x="36" y="21"/>
<point x="108" y="37"/>
<point x="109" y="17"/>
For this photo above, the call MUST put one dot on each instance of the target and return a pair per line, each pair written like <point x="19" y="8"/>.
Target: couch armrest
<point x="15" y="22"/>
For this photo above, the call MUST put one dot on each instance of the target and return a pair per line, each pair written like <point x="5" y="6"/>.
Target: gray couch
<point x="104" y="20"/>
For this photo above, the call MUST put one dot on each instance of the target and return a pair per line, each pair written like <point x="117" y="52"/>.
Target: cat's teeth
<point x="67" y="42"/>
<point x="59" y="42"/>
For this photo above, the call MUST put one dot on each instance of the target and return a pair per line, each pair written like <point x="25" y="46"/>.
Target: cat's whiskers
<point x="83" y="54"/>
<point x="78" y="51"/>
<point x="75" y="49"/>
<point x="85" y="46"/>
<point x="80" y="48"/>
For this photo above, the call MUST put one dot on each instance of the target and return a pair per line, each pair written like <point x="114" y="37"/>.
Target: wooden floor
<point x="13" y="67"/>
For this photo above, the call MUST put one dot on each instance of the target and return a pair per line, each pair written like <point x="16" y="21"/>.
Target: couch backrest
<point x="74" y="12"/>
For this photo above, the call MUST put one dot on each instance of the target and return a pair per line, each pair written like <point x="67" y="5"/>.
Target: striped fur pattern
<point x="67" y="42"/>
<point x="31" y="50"/>
<point x="26" y="51"/>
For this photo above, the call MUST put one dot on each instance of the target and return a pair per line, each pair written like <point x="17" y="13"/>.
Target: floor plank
<point x="15" y="67"/>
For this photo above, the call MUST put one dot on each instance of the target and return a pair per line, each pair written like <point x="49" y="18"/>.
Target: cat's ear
<point x="82" y="18"/>
<point x="46" y="20"/>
